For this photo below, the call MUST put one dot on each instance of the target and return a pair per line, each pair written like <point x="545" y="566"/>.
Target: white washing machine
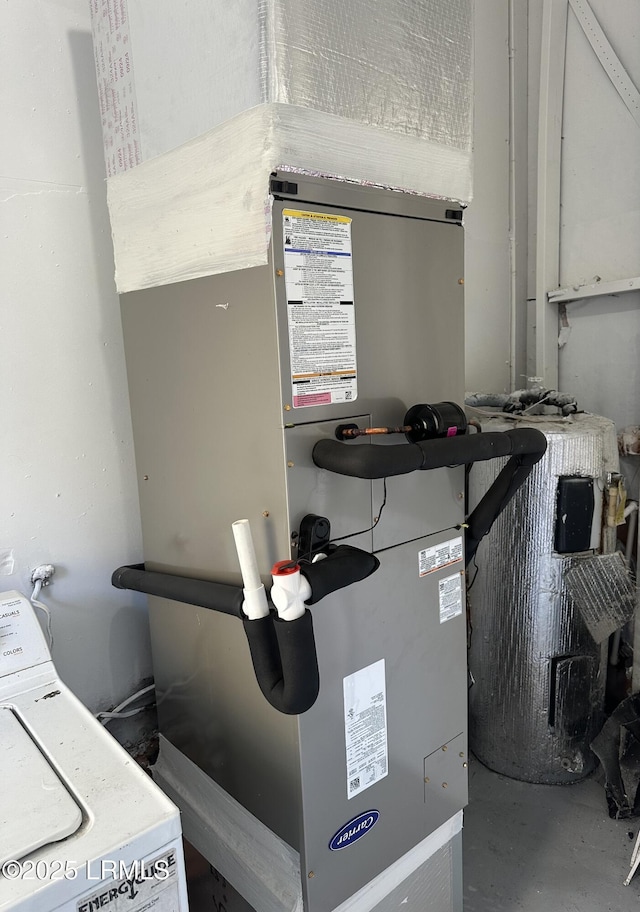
<point x="82" y="827"/>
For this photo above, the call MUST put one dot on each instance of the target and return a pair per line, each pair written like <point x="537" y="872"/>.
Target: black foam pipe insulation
<point x="285" y="661"/>
<point x="402" y="458"/>
<point x="203" y="593"/>
<point x="512" y="476"/>
<point x="344" y="565"/>
<point x="283" y="652"/>
<point x="525" y="446"/>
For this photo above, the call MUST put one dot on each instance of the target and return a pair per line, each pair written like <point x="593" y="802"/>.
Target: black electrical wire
<point x="308" y="557"/>
<point x="375" y="522"/>
<point x="475" y="575"/>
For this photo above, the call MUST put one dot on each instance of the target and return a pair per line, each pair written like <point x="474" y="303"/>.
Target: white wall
<point x="600" y="224"/>
<point x="600" y="215"/>
<point x="496" y="222"/>
<point x="68" y="483"/>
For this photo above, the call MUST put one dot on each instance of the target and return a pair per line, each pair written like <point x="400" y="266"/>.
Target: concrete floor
<point x="540" y="848"/>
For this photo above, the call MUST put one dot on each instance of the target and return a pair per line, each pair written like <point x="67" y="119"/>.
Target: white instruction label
<point x="320" y="308"/>
<point x="442" y="555"/>
<point x="365" y="727"/>
<point x="450" y="597"/>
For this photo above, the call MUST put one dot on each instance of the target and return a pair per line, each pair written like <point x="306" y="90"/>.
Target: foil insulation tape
<point x="538" y="676"/>
<point x="407" y="67"/>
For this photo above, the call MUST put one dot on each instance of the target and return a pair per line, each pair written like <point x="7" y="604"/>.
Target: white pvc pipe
<point x="255" y="603"/>
<point x="246" y="554"/>
<point x="289" y="593"/>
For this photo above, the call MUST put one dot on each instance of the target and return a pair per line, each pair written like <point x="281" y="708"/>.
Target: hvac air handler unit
<point x="316" y="740"/>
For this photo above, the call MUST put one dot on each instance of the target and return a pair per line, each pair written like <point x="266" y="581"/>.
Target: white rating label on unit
<point x="450" y="597"/>
<point x="439" y="556"/>
<point x="320" y="308"/>
<point x="365" y="727"/>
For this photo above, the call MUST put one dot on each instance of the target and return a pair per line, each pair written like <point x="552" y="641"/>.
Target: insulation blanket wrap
<point x="180" y="69"/>
<point x="374" y="94"/>
<point x="537" y="695"/>
<point x="205" y="208"/>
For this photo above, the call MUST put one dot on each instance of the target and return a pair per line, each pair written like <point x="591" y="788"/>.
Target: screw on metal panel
<point x="287" y="408"/>
<point x="445" y="785"/>
<point x="460" y="281"/>
<point x="290" y="465"/>
<point x="459" y="495"/>
<point x="145" y="478"/>
<point x="426" y="779"/>
<point x="265" y="513"/>
<point x="444" y="747"/>
<point x="465" y="765"/>
<point x="279" y="272"/>
<point x="311" y="874"/>
<point x="461" y="754"/>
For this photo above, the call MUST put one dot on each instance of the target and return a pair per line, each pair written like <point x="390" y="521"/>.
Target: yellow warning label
<point x="296" y="213"/>
<point x="336" y="373"/>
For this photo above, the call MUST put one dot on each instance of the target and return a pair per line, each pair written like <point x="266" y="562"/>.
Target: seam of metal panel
<point x="330" y="192"/>
<point x="409" y="541"/>
<point x="611" y="63"/>
<point x="552" y="63"/>
<point x="417" y="218"/>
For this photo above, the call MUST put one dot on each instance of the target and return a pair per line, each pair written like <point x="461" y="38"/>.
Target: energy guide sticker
<point x="320" y="307"/>
<point x="365" y="727"/>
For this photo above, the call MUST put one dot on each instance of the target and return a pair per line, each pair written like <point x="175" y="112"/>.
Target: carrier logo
<point x="354" y="830"/>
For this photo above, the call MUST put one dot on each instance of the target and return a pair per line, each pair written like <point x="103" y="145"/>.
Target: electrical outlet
<point x="43" y="573"/>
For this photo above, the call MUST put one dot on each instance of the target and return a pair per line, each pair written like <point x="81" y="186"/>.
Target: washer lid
<point x="35" y="806"/>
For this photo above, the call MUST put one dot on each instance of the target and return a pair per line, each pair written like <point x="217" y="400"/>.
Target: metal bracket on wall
<point x="593" y="290"/>
<point x="610" y="61"/>
<point x="554" y="31"/>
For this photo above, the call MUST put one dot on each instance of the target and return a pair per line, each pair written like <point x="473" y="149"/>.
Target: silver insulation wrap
<point x="538" y="675"/>
<point x="378" y="94"/>
<point x="403" y="65"/>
